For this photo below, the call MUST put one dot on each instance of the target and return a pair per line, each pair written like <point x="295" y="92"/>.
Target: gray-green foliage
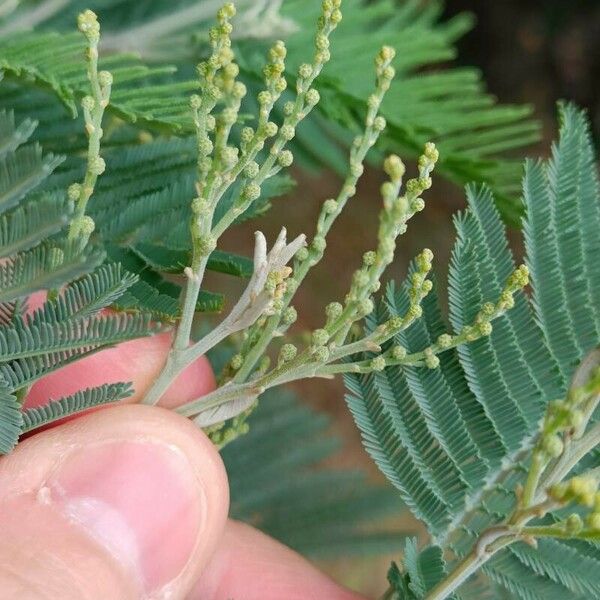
<point x="453" y="440"/>
<point x="274" y="485"/>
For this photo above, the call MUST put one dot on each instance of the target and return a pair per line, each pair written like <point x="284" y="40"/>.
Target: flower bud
<point x="74" y="192"/>
<point x="105" y="78"/>
<point x="288" y="352"/>
<point x="378" y="363"/>
<point x="285" y="158"/>
<point x="319" y="337"/>
<point x="289" y="315"/>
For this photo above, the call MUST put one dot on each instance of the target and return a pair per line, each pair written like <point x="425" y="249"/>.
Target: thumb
<point x="125" y="503"/>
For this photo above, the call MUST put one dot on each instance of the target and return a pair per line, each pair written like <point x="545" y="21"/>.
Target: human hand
<point x="131" y="502"/>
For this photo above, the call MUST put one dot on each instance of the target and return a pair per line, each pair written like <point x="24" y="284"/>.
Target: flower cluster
<point x="94" y="104"/>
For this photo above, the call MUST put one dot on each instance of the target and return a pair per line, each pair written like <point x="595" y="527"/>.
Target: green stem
<point x="467" y="567"/>
<point x="533" y="479"/>
<point x="578" y="449"/>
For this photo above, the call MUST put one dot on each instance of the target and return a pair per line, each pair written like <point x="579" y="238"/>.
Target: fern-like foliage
<point x="161" y="105"/>
<point x="37" y="256"/>
<point x="452" y="439"/>
<point x="320" y="512"/>
<point x="447" y="106"/>
<point x="11" y="418"/>
<point x="33" y="418"/>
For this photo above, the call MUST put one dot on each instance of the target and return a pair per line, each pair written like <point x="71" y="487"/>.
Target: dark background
<point x="536" y="51"/>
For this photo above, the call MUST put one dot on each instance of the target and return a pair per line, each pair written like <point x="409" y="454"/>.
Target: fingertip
<point x="145" y="485"/>
<point x="249" y="564"/>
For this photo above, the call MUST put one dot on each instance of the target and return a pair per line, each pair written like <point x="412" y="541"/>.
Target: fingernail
<point x="139" y="500"/>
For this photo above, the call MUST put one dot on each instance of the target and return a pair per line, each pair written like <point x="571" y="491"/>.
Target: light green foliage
<point x="456" y="440"/>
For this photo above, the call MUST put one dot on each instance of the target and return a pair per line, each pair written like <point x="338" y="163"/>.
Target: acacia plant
<point x="486" y="427"/>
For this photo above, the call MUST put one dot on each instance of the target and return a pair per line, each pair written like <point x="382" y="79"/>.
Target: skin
<point x="131" y="502"/>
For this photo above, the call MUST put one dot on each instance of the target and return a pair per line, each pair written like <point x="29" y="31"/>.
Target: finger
<point x="248" y="565"/>
<point x="125" y="503"/>
<point x="139" y="361"/>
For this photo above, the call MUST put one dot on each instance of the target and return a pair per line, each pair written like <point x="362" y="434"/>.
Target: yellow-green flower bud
<point x="336" y="16"/>
<point x="417" y="205"/>
<point x="287" y="132"/>
<point x="319" y="337"/>
<point x="385" y="55"/>
<point x="265" y="98"/>
<point x="379" y="124"/>
<point x="330" y="206"/>
<point x="74" y="192"/>
<point x="365" y="307"/>
<point x="378" y="363"/>
<point x="426" y="287"/>
<point x="85" y="226"/>
<point x="398" y="353"/>
<point x="321" y="354"/>
<point x="444" y="341"/>
<point x="289" y="316"/>
<point x="485" y="328"/>
<point x="239" y="90"/>
<point x="488" y="309"/>
<point x="285" y="159"/>
<point x="302" y="254"/>
<point x="227" y="11"/>
<point x="251" y="170"/>
<point x="319" y="243"/>
<point x="394" y="167"/>
<point x="305" y="71"/>
<point x="333" y="310"/>
<point x="206" y="244"/>
<point x="97" y="165"/>
<point x="431" y="360"/>
<point x="573" y="524"/>
<point x="553" y="445"/>
<point x="87" y="23"/>
<point x="431" y="152"/>
<point x="288" y="352"/>
<point x="237" y="361"/>
<point x="88" y="103"/>
<point x="369" y="258"/>
<point x="105" y="78"/>
<point x="251" y="192"/>
<point x="312" y="97"/>
<point x="246" y="135"/>
<point x="288" y="109"/>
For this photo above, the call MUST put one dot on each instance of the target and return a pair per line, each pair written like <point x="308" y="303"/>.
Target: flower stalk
<point x="94" y="105"/>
